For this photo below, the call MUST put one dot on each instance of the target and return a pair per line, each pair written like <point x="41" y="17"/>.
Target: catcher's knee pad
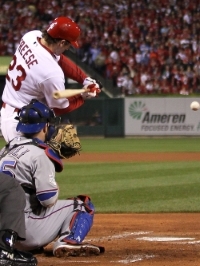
<point x="81" y="223"/>
<point x="89" y="207"/>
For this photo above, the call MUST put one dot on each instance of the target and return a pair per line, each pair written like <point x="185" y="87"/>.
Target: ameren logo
<point x="136" y="110"/>
<point x="158" y="122"/>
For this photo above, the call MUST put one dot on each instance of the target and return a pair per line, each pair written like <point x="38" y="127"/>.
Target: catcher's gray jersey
<point x="34" y="170"/>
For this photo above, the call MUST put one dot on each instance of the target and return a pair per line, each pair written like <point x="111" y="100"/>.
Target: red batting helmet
<point x="66" y="29"/>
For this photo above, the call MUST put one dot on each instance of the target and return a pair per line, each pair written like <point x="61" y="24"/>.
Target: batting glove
<point x="88" y="81"/>
<point x="93" y="91"/>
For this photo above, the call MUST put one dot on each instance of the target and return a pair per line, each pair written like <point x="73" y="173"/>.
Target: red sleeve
<point x="71" y="70"/>
<point x="74" y="103"/>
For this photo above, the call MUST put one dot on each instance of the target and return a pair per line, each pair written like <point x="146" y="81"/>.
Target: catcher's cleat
<point x="63" y="249"/>
<point x="17" y="258"/>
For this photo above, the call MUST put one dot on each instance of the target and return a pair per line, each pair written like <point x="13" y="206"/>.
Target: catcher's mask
<point x="34" y="116"/>
<point x="66" y="29"/>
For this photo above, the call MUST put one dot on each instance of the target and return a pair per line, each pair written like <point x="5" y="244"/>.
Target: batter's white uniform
<point x="31" y="167"/>
<point x="34" y="72"/>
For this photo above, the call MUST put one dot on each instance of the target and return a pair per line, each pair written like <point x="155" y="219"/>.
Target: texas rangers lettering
<point x="17" y="153"/>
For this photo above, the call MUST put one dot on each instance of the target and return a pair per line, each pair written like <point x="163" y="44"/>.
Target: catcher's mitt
<point x="65" y="141"/>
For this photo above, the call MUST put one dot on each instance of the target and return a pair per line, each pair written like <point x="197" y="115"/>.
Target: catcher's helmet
<point x="34" y="116"/>
<point x="66" y="29"/>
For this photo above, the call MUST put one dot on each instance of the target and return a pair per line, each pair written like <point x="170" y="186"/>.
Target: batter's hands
<point x="93" y="91"/>
<point x="89" y="81"/>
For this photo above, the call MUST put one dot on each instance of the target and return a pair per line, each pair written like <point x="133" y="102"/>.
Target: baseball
<point x="195" y="106"/>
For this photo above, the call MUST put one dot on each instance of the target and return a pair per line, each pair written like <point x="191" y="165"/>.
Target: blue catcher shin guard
<point x="80" y="226"/>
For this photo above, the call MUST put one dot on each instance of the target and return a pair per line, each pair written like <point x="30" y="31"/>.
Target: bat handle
<point x="56" y="95"/>
<point x="85" y="88"/>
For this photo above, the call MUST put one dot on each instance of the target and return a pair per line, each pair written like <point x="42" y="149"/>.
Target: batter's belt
<point x="15" y="109"/>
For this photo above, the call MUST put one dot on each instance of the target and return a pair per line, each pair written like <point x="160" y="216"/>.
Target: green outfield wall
<point x="134" y="116"/>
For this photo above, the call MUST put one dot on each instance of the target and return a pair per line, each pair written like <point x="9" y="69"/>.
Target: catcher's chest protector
<point x="53" y="156"/>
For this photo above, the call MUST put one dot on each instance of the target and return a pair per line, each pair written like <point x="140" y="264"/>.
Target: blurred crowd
<point x="143" y="46"/>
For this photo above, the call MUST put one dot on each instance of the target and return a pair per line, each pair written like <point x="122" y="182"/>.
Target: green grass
<point x="135" y="187"/>
<point x="151" y="144"/>
<point x="4" y="63"/>
<point x="181" y="144"/>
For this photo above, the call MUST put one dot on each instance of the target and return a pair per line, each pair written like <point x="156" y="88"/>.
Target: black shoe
<point x="37" y="251"/>
<point x="17" y="258"/>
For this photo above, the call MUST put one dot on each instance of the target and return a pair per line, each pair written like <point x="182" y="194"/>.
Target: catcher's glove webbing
<point x="65" y="141"/>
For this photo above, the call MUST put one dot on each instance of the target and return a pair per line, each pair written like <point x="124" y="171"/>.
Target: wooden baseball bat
<point x="69" y="93"/>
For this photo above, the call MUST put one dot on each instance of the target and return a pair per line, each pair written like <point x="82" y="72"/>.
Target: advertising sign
<point x="161" y="116"/>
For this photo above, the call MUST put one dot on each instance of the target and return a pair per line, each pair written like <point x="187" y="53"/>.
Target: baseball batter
<point x="38" y="68"/>
<point x="32" y="163"/>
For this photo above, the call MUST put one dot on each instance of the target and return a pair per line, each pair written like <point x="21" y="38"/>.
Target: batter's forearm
<point x="74" y="103"/>
<point x="71" y="70"/>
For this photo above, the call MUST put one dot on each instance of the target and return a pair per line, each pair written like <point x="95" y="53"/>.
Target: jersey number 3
<point x="22" y="74"/>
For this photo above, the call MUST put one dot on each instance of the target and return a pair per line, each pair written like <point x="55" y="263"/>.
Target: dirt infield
<point x="171" y="239"/>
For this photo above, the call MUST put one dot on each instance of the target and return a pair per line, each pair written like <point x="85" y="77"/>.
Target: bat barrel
<point x="68" y="93"/>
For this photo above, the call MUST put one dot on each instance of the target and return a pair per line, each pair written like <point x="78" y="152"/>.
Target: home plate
<point x="164" y="239"/>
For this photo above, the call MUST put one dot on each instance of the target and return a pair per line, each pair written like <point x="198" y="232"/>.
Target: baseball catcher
<point x="34" y="164"/>
<point x="65" y="141"/>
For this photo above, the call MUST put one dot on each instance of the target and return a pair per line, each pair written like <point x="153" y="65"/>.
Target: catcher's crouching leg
<point x="80" y="226"/>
